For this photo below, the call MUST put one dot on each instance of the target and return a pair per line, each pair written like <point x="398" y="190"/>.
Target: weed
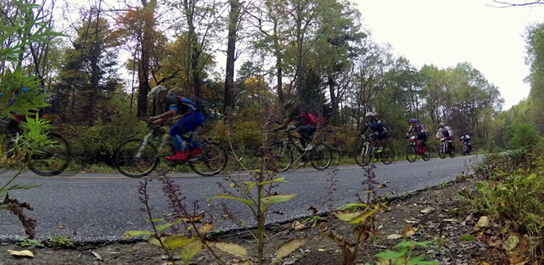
<point x="60" y="242"/>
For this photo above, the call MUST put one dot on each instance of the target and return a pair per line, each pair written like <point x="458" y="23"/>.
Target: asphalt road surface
<point x="101" y="207"/>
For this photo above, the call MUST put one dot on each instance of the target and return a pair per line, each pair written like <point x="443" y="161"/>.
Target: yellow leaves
<point x="172" y="242"/>
<point x="206" y="228"/>
<point x="482" y="223"/>
<point x="22" y="253"/>
<point x="288" y="248"/>
<point x="231" y="249"/>
<point x="187" y="252"/>
<point x="394" y="236"/>
<point x="427" y="210"/>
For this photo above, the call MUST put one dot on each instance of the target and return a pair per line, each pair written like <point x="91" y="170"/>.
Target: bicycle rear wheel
<point x="411" y="154"/>
<point x="135" y="167"/>
<point x="321" y="156"/>
<point x="212" y="160"/>
<point x="54" y="159"/>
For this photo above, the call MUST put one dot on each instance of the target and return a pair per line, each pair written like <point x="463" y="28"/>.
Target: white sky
<point x="445" y="33"/>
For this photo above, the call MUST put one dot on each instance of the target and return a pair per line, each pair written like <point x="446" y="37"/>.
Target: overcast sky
<point x="445" y="33"/>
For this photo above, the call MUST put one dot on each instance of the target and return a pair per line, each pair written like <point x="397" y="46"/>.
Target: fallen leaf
<point x="517" y="260"/>
<point x="483" y="223"/>
<point x="382" y="186"/>
<point x="96" y="256"/>
<point x="298" y="226"/>
<point x="485" y="263"/>
<point x="22" y="253"/>
<point x="427" y="210"/>
<point x="61" y="226"/>
<point x="410" y="232"/>
<point x="511" y="243"/>
<point x="411" y="221"/>
<point x="288" y="248"/>
<point x="394" y="236"/>
<point x="451" y="220"/>
<point x="321" y="250"/>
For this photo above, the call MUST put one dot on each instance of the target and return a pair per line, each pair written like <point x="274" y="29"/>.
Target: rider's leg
<point x="175" y="133"/>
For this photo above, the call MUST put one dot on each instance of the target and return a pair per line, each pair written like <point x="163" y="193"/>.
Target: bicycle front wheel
<point x="282" y="157"/>
<point x="411" y="154"/>
<point x="426" y="156"/>
<point x="212" y="160"/>
<point x="442" y="153"/>
<point x="388" y="155"/>
<point x="128" y="164"/>
<point x="321" y="156"/>
<point x="53" y="159"/>
<point x="361" y="157"/>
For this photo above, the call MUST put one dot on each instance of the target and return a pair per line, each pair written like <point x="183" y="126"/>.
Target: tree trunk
<point x="231" y="54"/>
<point x="334" y="101"/>
<point x="95" y="78"/>
<point x="143" y="65"/>
<point x="279" y="67"/>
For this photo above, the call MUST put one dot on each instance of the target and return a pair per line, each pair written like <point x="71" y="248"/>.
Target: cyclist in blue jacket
<point x="191" y="119"/>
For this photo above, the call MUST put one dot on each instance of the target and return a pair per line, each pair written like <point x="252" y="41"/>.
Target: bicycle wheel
<point x="362" y="158"/>
<point x="321" y="156"/>
<point x="212" y="160"/>
<point x="135" y="167"/>
<point x="281" y="157"/>
<point x="426" y="153"/>
<point x="54" y="159"/>
<point x="388" y="155"/>
<point x="411" y="154"/>
<point x="441" y="153"/>
<point x="452" y="153"/>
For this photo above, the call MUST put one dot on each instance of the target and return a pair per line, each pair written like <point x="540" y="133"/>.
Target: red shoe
<point x="195" y="152"/>
<point x="179" y="156"/>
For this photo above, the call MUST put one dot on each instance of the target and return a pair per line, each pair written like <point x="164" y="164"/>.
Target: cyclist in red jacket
<point x="305" y="123"/>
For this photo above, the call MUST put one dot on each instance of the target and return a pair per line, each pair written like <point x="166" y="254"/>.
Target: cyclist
<point x="466" y="140"/>
<point x="380" y="132"/>
<point x="447" y="133"/>
<point x="420" y="131"/>
<point x="191" y="119"/>
<point x="305" y="123"/>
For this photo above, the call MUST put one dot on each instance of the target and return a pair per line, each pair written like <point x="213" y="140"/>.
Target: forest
<point x="244" y="59"/>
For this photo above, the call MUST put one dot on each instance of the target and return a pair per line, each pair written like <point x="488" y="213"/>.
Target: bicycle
<point x="142" y="154"/>
<point x="51" y="161"/>
<point x="363" y="158"/>
<point x="445" y="149"/>
<point x="415" y="148"/>
<point x="282" y="150"/>
<point x="467" y="148"/>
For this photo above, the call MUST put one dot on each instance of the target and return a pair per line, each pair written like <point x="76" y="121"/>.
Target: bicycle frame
<point x="164" y="139"/>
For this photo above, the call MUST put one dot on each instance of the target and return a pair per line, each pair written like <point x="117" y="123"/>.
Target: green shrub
<point x="522" y="135"/>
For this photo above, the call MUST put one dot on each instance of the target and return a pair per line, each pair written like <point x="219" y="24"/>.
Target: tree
<point x="234" y="18"/>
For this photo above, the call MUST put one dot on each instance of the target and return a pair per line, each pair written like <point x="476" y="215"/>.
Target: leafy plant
<point x="13" y="81"/>
<point x="61" y="242"/>
<point x="404" y="255"/>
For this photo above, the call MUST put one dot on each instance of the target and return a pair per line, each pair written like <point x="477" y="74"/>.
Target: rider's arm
<point x="438" y="134"/>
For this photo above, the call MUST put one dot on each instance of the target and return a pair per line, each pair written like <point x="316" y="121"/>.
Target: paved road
<point x="100" y="207"/>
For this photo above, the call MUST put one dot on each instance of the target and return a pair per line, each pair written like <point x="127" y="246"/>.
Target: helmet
<point x="157" y="90"/>
<point x="442" y="124"/>
<point x="413" y="121"/>
<point x="370" y="114"/>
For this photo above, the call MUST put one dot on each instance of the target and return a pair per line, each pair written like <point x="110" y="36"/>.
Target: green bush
<point x="522" y="135"/>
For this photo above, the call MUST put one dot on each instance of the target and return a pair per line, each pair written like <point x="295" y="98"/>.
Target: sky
<point x="445" y="33"/>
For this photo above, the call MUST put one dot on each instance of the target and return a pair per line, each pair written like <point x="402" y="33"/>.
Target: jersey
<point x="303" y="118"/>
<point x="418" y="129"/>
<point x="446" y="131"/>
<point x="181" y="105"/>
<point x="376" y="126"/>
<point x="465" y="138"/>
